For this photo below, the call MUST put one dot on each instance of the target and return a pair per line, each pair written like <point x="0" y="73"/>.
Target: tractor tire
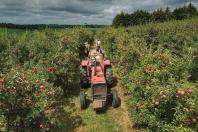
<point x="82" y="100"/>
<point x="109" y="76"/>
<point x="115" y="99"/>
<point x="83" y="78"/>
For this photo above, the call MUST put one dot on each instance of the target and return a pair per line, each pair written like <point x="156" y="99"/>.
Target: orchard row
<point x="158" y="68"/>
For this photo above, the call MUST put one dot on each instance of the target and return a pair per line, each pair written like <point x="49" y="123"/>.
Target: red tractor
<point x="97" y="72"/>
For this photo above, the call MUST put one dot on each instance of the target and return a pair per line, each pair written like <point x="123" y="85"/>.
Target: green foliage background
<point x="140" y="17"/>
<point x="153" y="62"/>
<point x="41" y="73"/>
<point x="40" y="70"/>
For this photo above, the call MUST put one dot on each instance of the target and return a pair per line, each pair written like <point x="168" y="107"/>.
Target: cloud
<point x="76" y="11"/>
<point x="175" y="2"/>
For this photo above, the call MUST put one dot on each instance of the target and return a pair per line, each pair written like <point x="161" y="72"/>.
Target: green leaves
<point x="154" y="62"/>
<point x="39" y="67"/>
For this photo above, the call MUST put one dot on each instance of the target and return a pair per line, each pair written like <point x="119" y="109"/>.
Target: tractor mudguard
<point x="107" y="62"/>
<point x="84" y="63"/>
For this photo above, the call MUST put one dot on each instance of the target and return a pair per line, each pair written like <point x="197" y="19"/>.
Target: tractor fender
<point x="84" y="63"/>
<point x="107" y="62"/>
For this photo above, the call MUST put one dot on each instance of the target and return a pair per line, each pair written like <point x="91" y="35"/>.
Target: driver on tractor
<point x="98" y="45"/>
<point x="87" y="48"/>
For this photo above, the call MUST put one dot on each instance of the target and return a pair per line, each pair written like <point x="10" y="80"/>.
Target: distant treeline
<point x="143" y="17"/>
<point x="42" y="26"/>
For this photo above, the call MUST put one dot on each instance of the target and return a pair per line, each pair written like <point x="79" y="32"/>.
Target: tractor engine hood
<point x="99" y="95"/>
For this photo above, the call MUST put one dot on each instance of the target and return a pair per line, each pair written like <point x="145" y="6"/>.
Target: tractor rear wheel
<point x="115" y="99"/>
<point x="82" y="100"/>
<point x="109" y="76"/>
<point x="83" y="78"/>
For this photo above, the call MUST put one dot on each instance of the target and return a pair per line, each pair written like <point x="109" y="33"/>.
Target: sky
<point x="76" y="11"/>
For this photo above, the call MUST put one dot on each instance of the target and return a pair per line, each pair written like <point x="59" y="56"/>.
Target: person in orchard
<point x="98" y="45"/>
<point x="87" y="48"/>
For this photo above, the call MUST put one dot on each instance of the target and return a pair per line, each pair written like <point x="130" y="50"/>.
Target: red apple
<point x="37" y="94"/>
<point x="182" y="93"/>
<point x="154" y="100"/>
<point x="51" y="69"/>
<point x="190" y="91"/>
<point x="179" y="91"/>
<point x="37" y="81"/>
<point x="2" y="81"/>
<point x="43" y="87"/>
<point x="156" y="103"/>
